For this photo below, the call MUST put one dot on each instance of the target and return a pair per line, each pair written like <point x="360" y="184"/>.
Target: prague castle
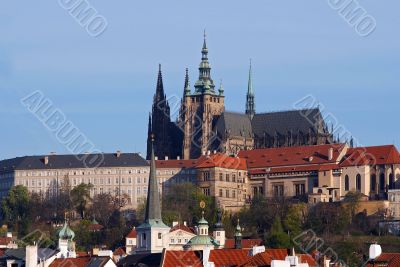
<point x="204" y="125"/>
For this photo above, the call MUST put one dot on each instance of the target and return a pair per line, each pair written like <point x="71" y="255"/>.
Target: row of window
<point x="80" y="172"/>
<point x="373" y="182"/>
<point x="224" y="178"/>
<point x="228" y="193"/>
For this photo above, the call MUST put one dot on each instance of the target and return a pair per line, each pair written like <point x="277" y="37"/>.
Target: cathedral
<point x="204" y="125"/>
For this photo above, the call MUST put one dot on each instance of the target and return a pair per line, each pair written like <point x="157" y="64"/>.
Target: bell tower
<point x="199" y="109"/>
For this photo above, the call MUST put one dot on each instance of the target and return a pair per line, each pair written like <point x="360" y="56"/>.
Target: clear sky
<point x="104" y="85"/>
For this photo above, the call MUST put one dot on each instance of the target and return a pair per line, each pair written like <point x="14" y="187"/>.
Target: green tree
<point x="295" y="218"/>
<point x="352" y="202"/>
<point x="276" y="237"/>
<point x="80" y="197"/>
<point x="15" y="209"/>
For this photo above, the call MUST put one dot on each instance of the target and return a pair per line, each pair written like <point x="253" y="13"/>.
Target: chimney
<point x="156" y="158"/>
<point x="9" y="234"/>
<point x="203" y="153"/>
<point x="310" y="158"/>
<point x="31" y="258"/>
<point x="184" y="223"/>
<point x="215" y="151"/>
<point x="174" y="224"/>
<point x="46" y="160"/>
<point x="166" y="157"/>
<point x="330" y="153"/>
<point x="208" y="152"/>
<point x="118" y="153"/>
<point x="178" y="157"/>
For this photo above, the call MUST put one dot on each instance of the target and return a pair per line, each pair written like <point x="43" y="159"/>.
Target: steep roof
<point x="234" y="125"/>
<point x="182" y="227"/>
<point x="73" y="161"/>
<point x="286" y="121"/>
<point x="387" y="154"/>
<point x="246" y="243"/>
<point x="289" y="156"/>
<point x="132" y="233"/>
<point x="389" y="259"/>
<point x="223" y="161"/>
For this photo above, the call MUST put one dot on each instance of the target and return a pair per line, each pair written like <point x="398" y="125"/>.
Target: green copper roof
<point x="203" y="240"/>
<point x="152" y="223"/>
<point x="238" y="231"/>
<point x="202" y="221"/>
<point x="66" y="232"/>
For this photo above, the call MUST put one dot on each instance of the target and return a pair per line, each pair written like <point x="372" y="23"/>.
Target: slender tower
<point x="150" y="233"/>
<point x="250" y="106"/>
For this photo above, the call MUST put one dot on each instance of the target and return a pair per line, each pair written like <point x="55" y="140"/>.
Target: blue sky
<point x="104" y="85"/>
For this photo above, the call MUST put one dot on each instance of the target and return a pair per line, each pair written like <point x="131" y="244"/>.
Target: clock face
<point x="202" y="204"/>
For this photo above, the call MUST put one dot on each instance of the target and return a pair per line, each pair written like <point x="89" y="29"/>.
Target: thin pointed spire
<point x="250" y="105"/>
<point x="153" y="209"/>
<point x="204" y="84"/>
<point x="221" y="88"/>
<point x="187" y="83"/>
<point x="160" y="95"/>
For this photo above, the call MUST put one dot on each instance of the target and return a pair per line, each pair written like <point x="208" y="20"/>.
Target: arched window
<point x="391" y="181"/>
<point x="358" y="182"/>
<point x="319" y="191"/>
<point x="373" y="182"/>
<point x="346" y="183"/>
<point x="382" y="183"/>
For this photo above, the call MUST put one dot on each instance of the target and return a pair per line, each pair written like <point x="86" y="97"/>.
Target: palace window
<point x="233" y="194"/>
<point x="234" y="178"/>
<point x="300" y="189"/>
<point x="382" y="183"/>
<point x="206" y="191"/>
<point x="227" y="193"/>
<point x="278" y="190"/>
<point x="227" y="177"/>
<point x="206" y="176"/>
<point x="221" y="177"/>
<point x="220" y="193"/>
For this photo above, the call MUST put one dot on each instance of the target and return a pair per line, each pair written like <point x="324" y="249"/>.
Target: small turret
<point x="238" y="236"/>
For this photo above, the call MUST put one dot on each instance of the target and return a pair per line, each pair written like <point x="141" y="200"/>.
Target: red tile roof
<point x="73" y="262"/>
<point x="359" y="156"/>
<point x="223" y="161"/>
<point x="132" y="233"/>
<point x="95" y="227"/>
<point x="4" y="241"/>
<point x="119" y="251"/>
<point x="182" y="227"/>
<point x="391" y="259"/>
<point x="289" y="156"/>
<point x="229" y="257"/>
<point x="176" y="163"/>
<point x="246" y="243"/>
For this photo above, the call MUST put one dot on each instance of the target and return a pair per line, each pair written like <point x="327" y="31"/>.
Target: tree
<point x="15" y="209"/>
<point x="276" y="237"/>
<point x="80" y="197"/>
<point x="295" y="217"/>
<point x="352" y="202"/>
<point x="102" y="207"/>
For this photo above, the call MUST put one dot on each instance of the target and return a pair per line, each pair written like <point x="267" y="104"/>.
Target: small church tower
<point x="66" y="243"/>
<point x="219" y="231"/>
<point x="250" y="105"/>
<point x="150" y="233"/>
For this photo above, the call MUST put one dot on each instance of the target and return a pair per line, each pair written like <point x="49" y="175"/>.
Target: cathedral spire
<point x="204" y="85"/>
<point x="187" y="83"/>
<point x="250" y="105"/>
<point x="153" y="209"/>
<point x="160" y="95"/>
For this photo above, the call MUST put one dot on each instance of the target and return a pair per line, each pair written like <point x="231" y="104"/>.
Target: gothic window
<point x="358" y="182"/>
<point x="382" y="183"/>
<point x="373" y="182"/>
<point x="391" y="181"/>
<point x="346" y="183"/>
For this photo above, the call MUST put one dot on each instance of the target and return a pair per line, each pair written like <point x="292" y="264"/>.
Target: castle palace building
<point x="204" y="125"/>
